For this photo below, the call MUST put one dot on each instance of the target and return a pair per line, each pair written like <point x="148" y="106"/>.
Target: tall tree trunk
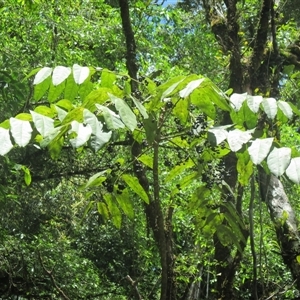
<point x="284" y="219"/>
<point x="161" y="227"/>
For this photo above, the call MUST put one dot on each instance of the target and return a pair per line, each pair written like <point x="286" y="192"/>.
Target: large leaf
<point x="134" y="184"/>
<point x="236" y="138"/>
<point x="278" y="160"/>
<point x="108" y="78"/>
<point x="125" y="202"/>
<point x="270" y="107"/>
<point x="218" y="134"/>
<point x="190" y="87"/>
<point x="126" y="114"/>
<point x="140" y="107"/>
<point x="80" y="74"/>
<point x="113" y="210"/>
<point x="259" y="149"/>
<point x="293" y="170"/>
<point x="83" y="134"/>
<point x="99" y="138"/>
<point x="177" y="170"/>
<point x="60" y="74"/>
<point x="42" y="75"/>
<point x="43" y="124"/>
<point x="285" y="108"/>
<point x="5" y="145"/>
<point x="203" y="102"/>
<point x="236" y="100"/>
<point x="112" y="120"/>
<point x="21" y="131"/>
<point x="181" y="110"/>
<point x="254" y="102"/>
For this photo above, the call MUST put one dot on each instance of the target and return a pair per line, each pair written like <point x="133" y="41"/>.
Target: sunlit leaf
<point x="21" y="131"/>
<point x="293" y="170"/>
<point x="134" y="184"/>
<point x="259" y="149"/>
<point x="80" y="73"/>
<point x="236" y="138"/>
<point x="43" y="124"/>
<point x="190" y="87"/>
<point x="254" y="102"/>
<point x="42" y="75"/>
<point x="60" y="74"/>
<point x="236" y="100"/>
<point x="270" y="107"/>
<point x="285" y="108"/>
<point x="5" y="145"/>
<point x="83" y="134"/>
<point x="278" y="160"/>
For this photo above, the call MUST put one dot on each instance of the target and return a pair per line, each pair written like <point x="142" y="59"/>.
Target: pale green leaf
<point x="5" y="145"/>
<point x="293" y="170"/>
<point x="125" y="202"/>
<point x="259" y="149"/>
<point x="254" y="102"/>
<point x="21" y="131"/>
<point x="112" y="120"/>
<point x="236" y="100"/>
<point x="179" y="169"/>
<point x="126" y="114"/>
<point x="278" y="160"/>
<point x="42" y="75"/>
<point x="61" y="113"/>
<point x="140" y="107"/>
<point x="27" y="175"/>
<point x="285" y="108"/>
<point x="83" y="134"/>
<point x="43" y="124"/>
<point x="190" y="87"/>
<point x="113" y="209"/>
<point x="270" y="107"/>
<point x="147" y="160"/>
<point x="236" y="138"/>
<point x="80" y="73"/>
<point x="60" y="74"/>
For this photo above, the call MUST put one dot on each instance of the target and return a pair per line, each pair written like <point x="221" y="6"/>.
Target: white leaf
<point x="278" y="160"/>
<point x="259" y="149"/>
<point x="270" y="107"/>
<point x="254" y="102"/>
<point x="83" y="134"/>
<point x="112" y="120"/>
<point x="43" y="124"/>
<point x="21" y="131"/>
<point x="285" y="108"/>
<point x="5" y="145"/>
<point x="236" y="138"/>
<point x="80" y="73"/>
<point x="61" y="113"/>
<point x="293" y="170"/>
<point x="60" y="74"/>
<point x="190" y="87"/>
<point x="236" y="100"/>
<point x="220" y="133"/>
<point x="41" y="75"/>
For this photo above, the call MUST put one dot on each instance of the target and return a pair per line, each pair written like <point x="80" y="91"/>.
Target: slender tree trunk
<point x="161" y="227"/>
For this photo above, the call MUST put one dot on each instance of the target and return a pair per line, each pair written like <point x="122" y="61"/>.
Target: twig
<point x="134" y="286"/>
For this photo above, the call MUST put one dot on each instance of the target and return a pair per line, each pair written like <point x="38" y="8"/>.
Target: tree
<point x="172" y="139"/>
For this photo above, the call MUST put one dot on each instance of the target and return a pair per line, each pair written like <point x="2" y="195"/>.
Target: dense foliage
<point x="127" y="176"/>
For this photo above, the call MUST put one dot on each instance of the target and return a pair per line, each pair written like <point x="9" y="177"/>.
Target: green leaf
<point x="71" y="88"/>
<point x="102" y="210"/>
<point x="60" y="74"/>
<point x="293" y="170"/>
<point x="226" y="237"/>
<point x="80" y="74"/>
<point x="134" y="184"/>
<point x="150" y="126"/>
<point x="181" y="110"/>
<point x="177" y="170"/>
<point x="125" y="202"/>
<point x="140" y="107"/>
<point x="41" y="88"/>
<point x="259" y="149"/>
<point x="45" y="111"/>
<point x="278" y="160"/>
<point x="270" y="107"/>
<point x="203" y="103"/>
<point x="147" y="160"/>
<point x="21" y="131"/>
<point x="41" y="75"/>
<point x="43" y="124"/>
<point x="126" y="114"/>
<point x="5" y="145"/>
<point x="108" y="78"/>
<point x="65" y="104"/>
<point x="98" y="96"/>
<point x="27" y="175"/>
<point x="236" y="138"/>
<point x="298" y="259"/>
<point x="113" y="210"/>
<point x="96" y="179"/>
<point x="244" y="168"/>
